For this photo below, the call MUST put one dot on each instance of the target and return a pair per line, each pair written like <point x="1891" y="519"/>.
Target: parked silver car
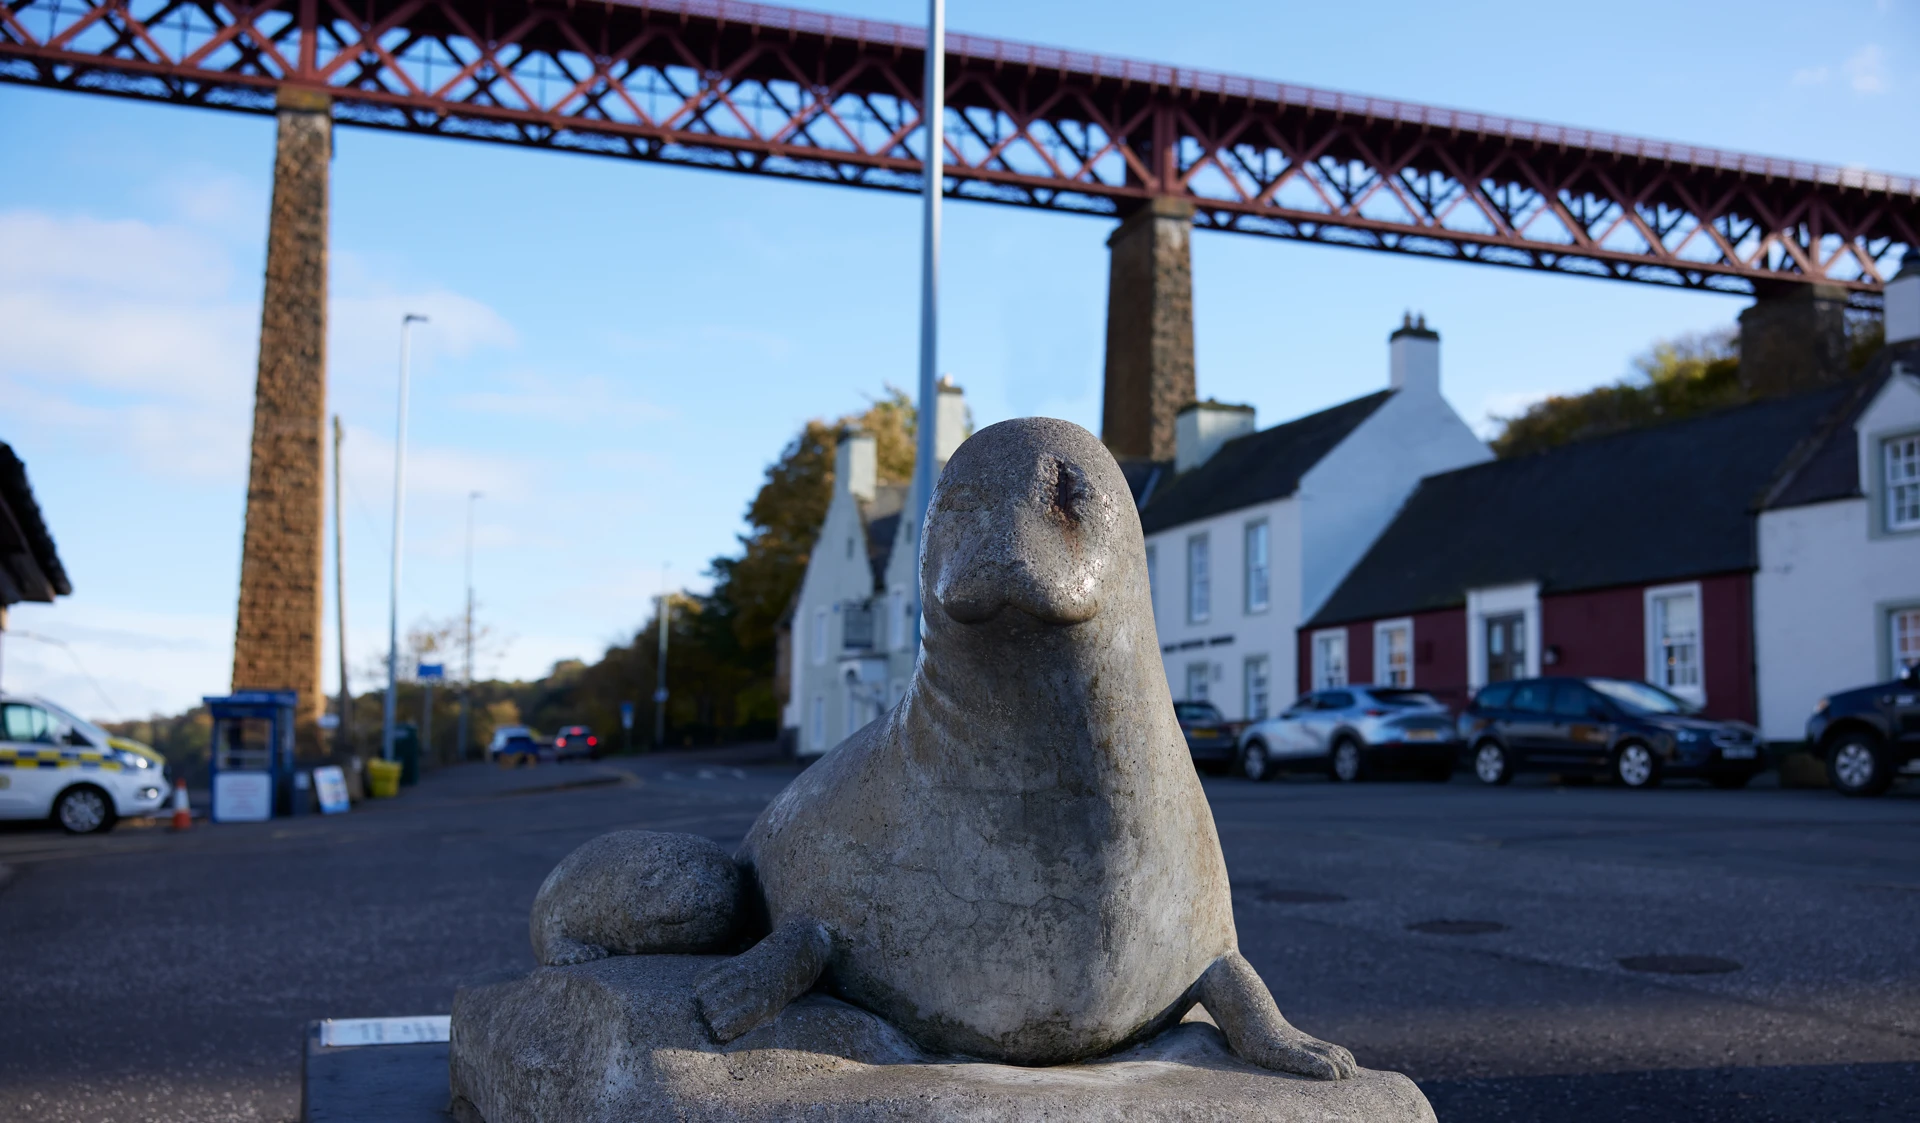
<point x="1351" y="731"/>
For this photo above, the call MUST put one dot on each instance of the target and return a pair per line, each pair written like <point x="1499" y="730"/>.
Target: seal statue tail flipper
<point x="1244" y="1009"/>
<point x="759" y="982"/>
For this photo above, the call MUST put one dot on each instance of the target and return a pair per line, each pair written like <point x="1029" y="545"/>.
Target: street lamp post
<point x="393" y="577"/>
<point x="662" y="623"/>
<point x="466" y="690"/>
<point x="925" y="424"/>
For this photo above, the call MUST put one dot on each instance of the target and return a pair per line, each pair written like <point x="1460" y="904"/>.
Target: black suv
<point x="1634" y="732"/>
<point x="1868" y="734"/>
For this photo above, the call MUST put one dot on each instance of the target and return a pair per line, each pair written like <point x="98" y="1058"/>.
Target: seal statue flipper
<point x="755" y="985"/>
<point x="1243" y="1008"/>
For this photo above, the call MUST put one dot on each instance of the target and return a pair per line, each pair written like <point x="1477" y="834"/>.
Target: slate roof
<point x="1828" y="466"/>
<point x="1144" y="478"/>
<point x="1257" y="467"/>
<point x="30" y="567"/>
<point x="881" y="518"/>
<point x="1638" y="507"/>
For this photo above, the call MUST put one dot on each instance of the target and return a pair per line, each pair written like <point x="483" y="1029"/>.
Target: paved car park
<point x="1513" y="949"/>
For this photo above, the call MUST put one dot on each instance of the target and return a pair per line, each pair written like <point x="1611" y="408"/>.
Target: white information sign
<point x="330" y="784"/>
<point x="343" y="1032"/>
<point x="242" y="797"/>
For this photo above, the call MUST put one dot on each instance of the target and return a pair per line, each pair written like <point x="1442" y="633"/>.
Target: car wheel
<point x="83" y="810"/>
<point x="1857" y="764"/>
<point x="1635" y="766"/>
<point x="1490" y="763"/>
<point x="1348" y="764"/>
<point x="1254" y="763"/>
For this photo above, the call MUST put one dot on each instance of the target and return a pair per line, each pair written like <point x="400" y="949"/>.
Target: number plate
<point x="1738" y="752"/>
<point x="1423" y="735"/>
<point x="1205" y="734"/>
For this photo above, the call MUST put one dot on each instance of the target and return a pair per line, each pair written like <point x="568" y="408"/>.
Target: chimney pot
<point x="1902" y="295"/>
<point x="1201" y="428"/>
<point x="1413" y="356"/>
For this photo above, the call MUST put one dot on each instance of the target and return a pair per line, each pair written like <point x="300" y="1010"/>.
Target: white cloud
<point x="117" y="663"/>
<point x="1866" y="70"/>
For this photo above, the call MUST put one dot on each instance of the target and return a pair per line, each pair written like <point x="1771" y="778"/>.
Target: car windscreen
<point x="1641" y="698"/>
<point x="1407" y="698"/>
<point x="1196" y="711"/>
<point x="1494" y="697"/>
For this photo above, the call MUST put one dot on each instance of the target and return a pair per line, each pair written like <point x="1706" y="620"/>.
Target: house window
<point x="1153" y="577"/>
<point x="817" y="727"/>
<point x="1903" y="634"/>
<point x="1259" y="692"/>
<point x="1199" y="580"/>
<point x="1902" y="457"/>
<point x="1258" y="566"/>
<point x="1198" y="675"/>
<point x="1393" y="653"/>
<point x="855" y="707"/>
<point x="1329" y="658"/>
<point x="856" y="626"/>
<point x="819" y="638"/>
<point x="1673" y="639"/>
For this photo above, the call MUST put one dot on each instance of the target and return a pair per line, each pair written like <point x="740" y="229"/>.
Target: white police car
<point x="53" y="764"/>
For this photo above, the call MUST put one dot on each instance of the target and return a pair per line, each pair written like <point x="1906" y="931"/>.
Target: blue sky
<point x="617" y="350"/>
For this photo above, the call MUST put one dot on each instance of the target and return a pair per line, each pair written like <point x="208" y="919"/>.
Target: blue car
<point x="1634" y="732"/>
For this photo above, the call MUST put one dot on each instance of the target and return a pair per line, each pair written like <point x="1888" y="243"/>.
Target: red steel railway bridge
<point x="804" y="95"/>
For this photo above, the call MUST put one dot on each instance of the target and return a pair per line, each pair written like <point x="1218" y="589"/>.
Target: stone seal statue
<point x="1017" y="863"/>
<point x="636" y="893"/>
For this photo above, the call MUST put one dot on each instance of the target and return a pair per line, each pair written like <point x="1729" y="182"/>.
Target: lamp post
<point x="925" y="424"/>
<point x="466" y="689"/>
<point x="393" y="578"/>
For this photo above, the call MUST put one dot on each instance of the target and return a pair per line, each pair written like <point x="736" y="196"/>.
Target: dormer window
<point x="1901" y="457"/>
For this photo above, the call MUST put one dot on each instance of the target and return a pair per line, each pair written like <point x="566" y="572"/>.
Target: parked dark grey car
<point x="1868" y="735"/>
<point x="1637" y="733"/>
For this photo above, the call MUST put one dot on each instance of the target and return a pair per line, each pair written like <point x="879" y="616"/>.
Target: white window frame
<point x="1324" y="677"/>
<point x="1656" y="659"/>
<point x="1381" y="667"/>
<point x="1901" y="491"/>
<point x="1203" y="674"/>
<point x="817" y="723"/>
<point x="1199" y="578"/>
<point x="1265" y="667"/>
<point x="817" y="642"/>
<point x="1258" y="576"/>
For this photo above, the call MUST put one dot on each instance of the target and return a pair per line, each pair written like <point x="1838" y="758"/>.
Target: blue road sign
<point x="626" y="715"/>
<point x="431" y="672"/>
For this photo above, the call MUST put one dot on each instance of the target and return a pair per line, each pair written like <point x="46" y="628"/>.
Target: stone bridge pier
<point x="1149" y="368"/>
<point x="276" y="644"/>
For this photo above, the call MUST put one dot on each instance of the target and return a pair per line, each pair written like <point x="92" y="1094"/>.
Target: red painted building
<point x="1628" y="556"/>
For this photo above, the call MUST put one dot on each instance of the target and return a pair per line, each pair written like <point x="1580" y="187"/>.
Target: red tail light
<point x="1376" y="713"/>
<point x="592" y="741"/>
<point x="561" y="743"/>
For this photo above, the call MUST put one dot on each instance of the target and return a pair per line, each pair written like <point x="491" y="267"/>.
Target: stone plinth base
<point x="619" y="1041"/>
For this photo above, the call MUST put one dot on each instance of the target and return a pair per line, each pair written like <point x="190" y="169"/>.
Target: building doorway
<point x="1506" y="647"/>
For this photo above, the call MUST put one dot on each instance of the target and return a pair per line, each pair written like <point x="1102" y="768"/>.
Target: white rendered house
<point x="1255" y="529"/>
<point x="851" y="646"/>
<point x="1837" y="595"/>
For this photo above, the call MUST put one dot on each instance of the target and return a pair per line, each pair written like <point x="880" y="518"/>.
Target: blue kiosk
<point x="252" y="755"/>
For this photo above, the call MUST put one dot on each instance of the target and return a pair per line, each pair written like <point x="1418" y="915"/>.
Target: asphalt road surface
<point x="149" y="976"/>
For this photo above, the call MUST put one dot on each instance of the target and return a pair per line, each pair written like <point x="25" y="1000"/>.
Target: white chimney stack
<point x="1414" y="356"/>
<point x="950" y="423"/>
<point x="1903" y="300"/>
<point x="1200" y="428"/>
<point x="856" y="468"/>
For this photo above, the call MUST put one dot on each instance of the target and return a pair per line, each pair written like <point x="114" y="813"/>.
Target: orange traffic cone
<point x="182" y="816"/>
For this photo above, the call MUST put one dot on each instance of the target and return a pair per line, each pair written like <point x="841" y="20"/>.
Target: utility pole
<point x="345" y="736"/>
<point x="925" y="427"/>
<point x="393" y="578"/>
<point x="466" y="689"/>
<point x="663" y="623"/>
